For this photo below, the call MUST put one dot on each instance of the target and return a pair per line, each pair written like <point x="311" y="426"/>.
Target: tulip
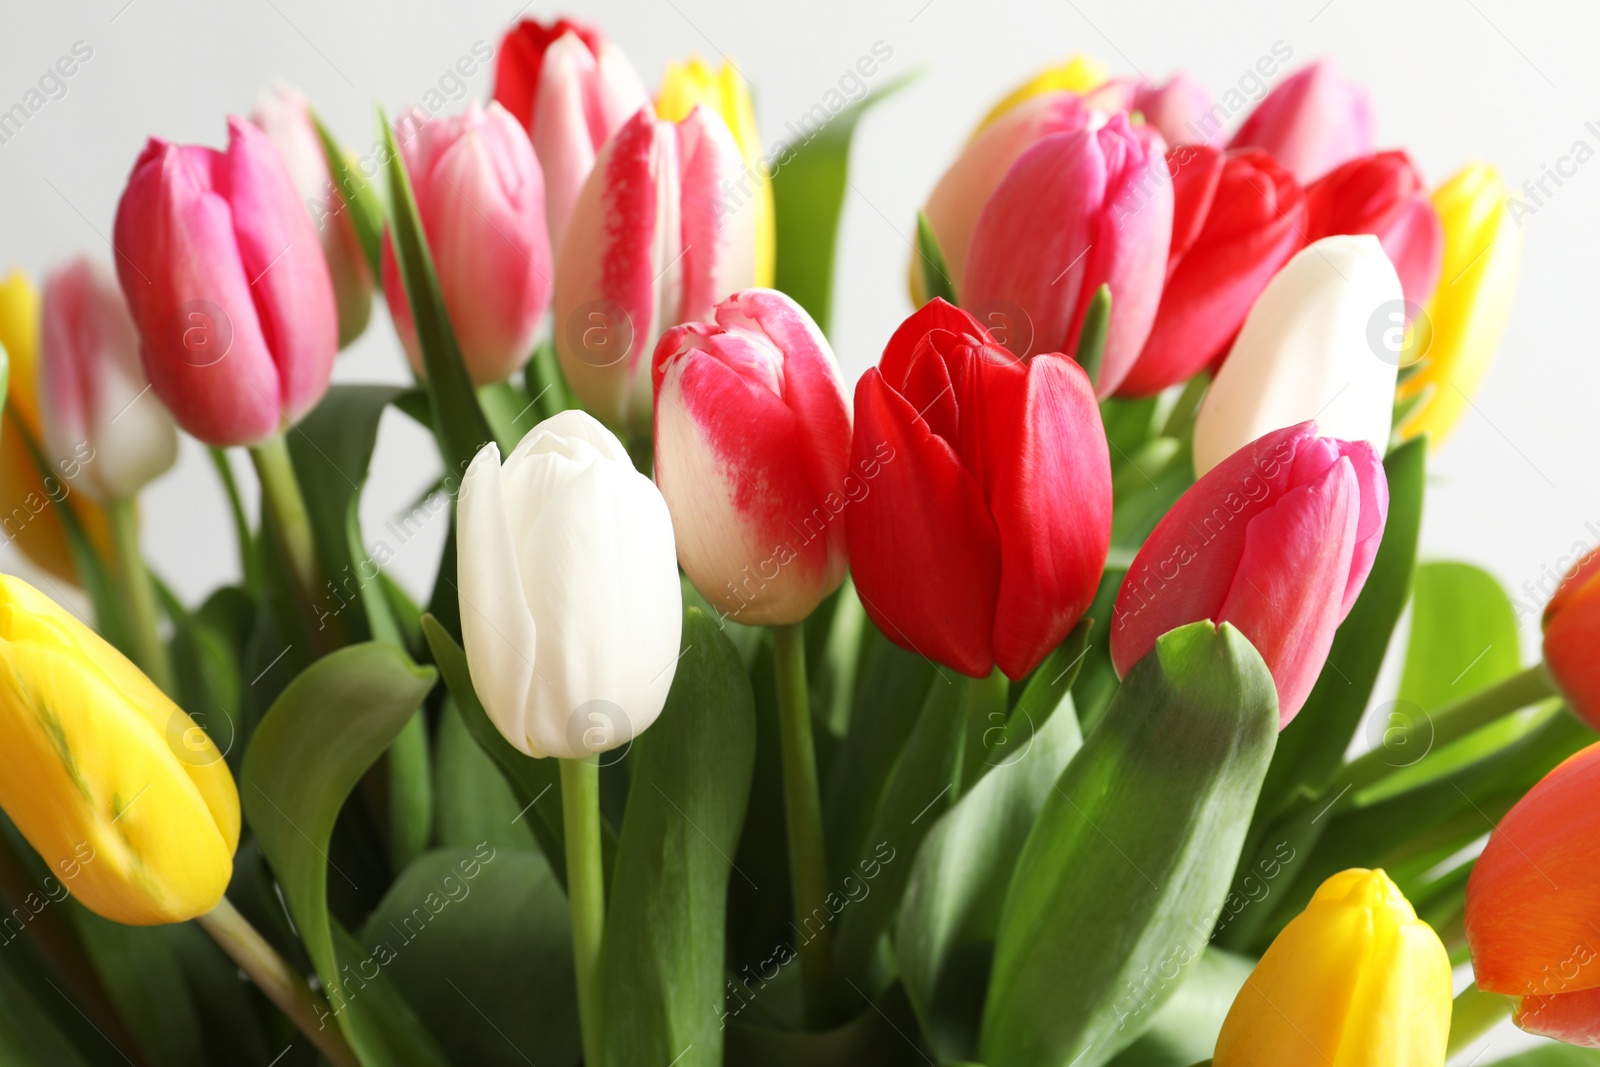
<point x="1079" y="74"/>
<point x="987" y="514"/>
<point x="1571" y="631"/>
<point x="1237" y="218"/>
<point x="1312" y="122"/>
<point x="1177" y="109"/>
<point x="1354" y="980"/>
<point x="285" y="117"/>
<point x="1384" y="195"/>
<point x="480" y="196"/>
<point x="571" y="89"/>
<point x="1308" y="350"/>
<point x="650" y="247"/>
<point x="1532" y="900"/>
<point x="686" y="86"/>
<point x="570" y="604"/>
<point x="755" y="398"/>
<point x="93" y="387"/>
<point x="1277" y="539"/>
<point x="1467" y="318"/>
<point x="227" y="284"/>
<point x="121" y="794"/>
<point x="1077" y="211"/>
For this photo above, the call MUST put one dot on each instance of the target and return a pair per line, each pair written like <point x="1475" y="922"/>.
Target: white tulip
<point x="571" y="610"/>
<point x="1317" y="344"/>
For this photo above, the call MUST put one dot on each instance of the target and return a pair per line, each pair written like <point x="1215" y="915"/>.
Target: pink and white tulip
<point x="1312" y="122"/>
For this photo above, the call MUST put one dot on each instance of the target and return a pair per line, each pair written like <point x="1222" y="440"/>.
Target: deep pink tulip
<point x="981" y="537"/>
<point x="752" y="437"/>
<point x="481" y="198"/>
<point x="1277" y="539"/>
<point x="1076" y="211"/>
<point x="1237" y="217"/>
<point x="1312" y="122"/>
<point x="228" y="286"/>
<point x="651" y="245"/>
<point x="1383" y="195"/>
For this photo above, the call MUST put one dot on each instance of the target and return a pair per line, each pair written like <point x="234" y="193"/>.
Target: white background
<point x="1451" y="80"/>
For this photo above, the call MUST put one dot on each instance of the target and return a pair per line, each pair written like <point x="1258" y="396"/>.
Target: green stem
<point x="241" y="523"/>
<point x="1474" y="1014"/>
<point x="290" y="520"/>
<point x="281" y="983"/>
<point x="802" y="807"/>
<point x="586" y="893"/>
<point x="139" y="595"/>
<point x="986" y="710"/>
<point x="1180" y="422"/>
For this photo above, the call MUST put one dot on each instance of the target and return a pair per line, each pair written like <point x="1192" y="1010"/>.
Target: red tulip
<point x="1312" y="122"/>
<point x="1237" y="218"/>
<point x="982" y="536"/>
<point x="1076" y="211"/>
<point x="1532" y="902"/>
<point x="1276" y="539"/>
<point x="752" y="435"/>
<point x="226" y="281"/>
<point x="1383" y="195"/>
<point x="1572" y="633"/>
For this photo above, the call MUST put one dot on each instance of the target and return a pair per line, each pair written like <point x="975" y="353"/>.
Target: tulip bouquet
<point x="1010" y="706"/>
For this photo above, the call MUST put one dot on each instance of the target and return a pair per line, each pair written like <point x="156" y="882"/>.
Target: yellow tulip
<point x="1468" y="313"/>
<point x="1079" y="74"/>
<point x="1354" y="980"/>
<point x="686" y="85"/>
<point x="124" y="797"/>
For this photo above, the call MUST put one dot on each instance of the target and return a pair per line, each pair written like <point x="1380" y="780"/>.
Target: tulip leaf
<point x="1125" y="870"/>
<point x="936" y="281"/>
<point x="28" y="1035"/>
<point x="475" y="803"/>
<point x="544" y="383"/>
<point x="324" y="731"/>
<point x="1187" y="1025"/>
<point x="140" y="968"/>
<point x="808" y="184"/>
<point x="1463" y="635"/>
<point x="1552" y="1055"/>
<point x="352" y="192"/>
<point x="1092" y="337"/>
<point x="664" y="951"/>
<point x="880" y="1035"/>
<point x="1096" y="681"/>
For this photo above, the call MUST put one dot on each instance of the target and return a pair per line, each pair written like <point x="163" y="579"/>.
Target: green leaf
<point x="546" y="386"/>
<point x="474" y="802"/>
<point x="1553" y="1055"/>
<point x="1463" y="635"/>
<point x="808" y="187"/>
<point x="881" y="1035"/>
<point x="29" y="1037"/>
<point x="510" y="412"/>
<point x="1096" y="681"/>
<point x="357" y="196"/>
<point x="1126" y="868"/>
<point x="140" y="968"/>
<point x="664" y="954"/>
<point x="230" y="1008"/>
<point x="935" y="272"/>
<point x="1092" y="338"/>
<point x="833" y="680"/>
<point x="1184" y="1030"/>
<point x="321" y="735"/>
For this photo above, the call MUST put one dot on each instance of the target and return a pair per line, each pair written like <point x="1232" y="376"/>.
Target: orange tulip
<point x="1571" y="630"/>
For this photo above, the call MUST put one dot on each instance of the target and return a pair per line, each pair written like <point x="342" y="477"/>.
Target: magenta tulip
<point x="228" y="286"/>
<point x="1078" y="210"/>
<point x="1277" y="539"/>
<point x="1312" y="122"/>
<point x="1383" y="195"/>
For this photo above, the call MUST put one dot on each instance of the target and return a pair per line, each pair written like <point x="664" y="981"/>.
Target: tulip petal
<point x="559" y="127"/>
<point x="719" y="242"/>
<point x="1571" y="1018"/>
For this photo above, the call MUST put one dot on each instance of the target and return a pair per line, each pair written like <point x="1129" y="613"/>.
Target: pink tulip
<point x="755" y="400"/>
<point x="1175" y="109"/>
<point x="651" y="245"/>
<point x="1277" y="539"/>
<point x="481" y="198"/>
<point x="571" y="89"/>
<point x="92" y="390"/>
<point x="1312" y="122"/>
<point x="1383" y="195"/>
<point x="227" y="284"/>
<point x="1076" y="211"/>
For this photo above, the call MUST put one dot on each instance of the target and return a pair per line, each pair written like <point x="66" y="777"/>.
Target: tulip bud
<point x="480" y="196"/>
<point x="1467" y="318"/>
<point x="1079" y="74"/>
<point x="93" y="387"/>
<point x="1176" y="109"/>
<point x="1383" y="195"/>
<point x="1237" y="218"/>
<point x="1077" y="211"/>
<point x="227" y="284"/>
<point x="571" y="609"/>
<point x="121" y="794"/>
<point x="285" y="117"/>
<point x="1354" y="980"/>
<point x="1571" y="634"/>
<point x="652" y="244"/>
<point x="987" y="513"/>
<point x="1532" y="900"/>
<point x="1312" y="122"/>
<point x="1312" y="347"/>
<point x="571" y="89"/>
<point x="1277" y="539"/>
<point x="686" y="86"/>
<point x="755" y="399"/>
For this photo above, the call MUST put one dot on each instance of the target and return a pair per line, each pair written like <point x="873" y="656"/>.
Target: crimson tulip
<point x="1313" y="121"/>
<point x="1076" y="211"/>
<point x="226" y="281"/>
<point x="752" y="437"/>
<point x="1384" y="195"/>
<point x="1277" y="539"/>
<point x="1237" y="218"/>
<point x="981" y="537"/>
